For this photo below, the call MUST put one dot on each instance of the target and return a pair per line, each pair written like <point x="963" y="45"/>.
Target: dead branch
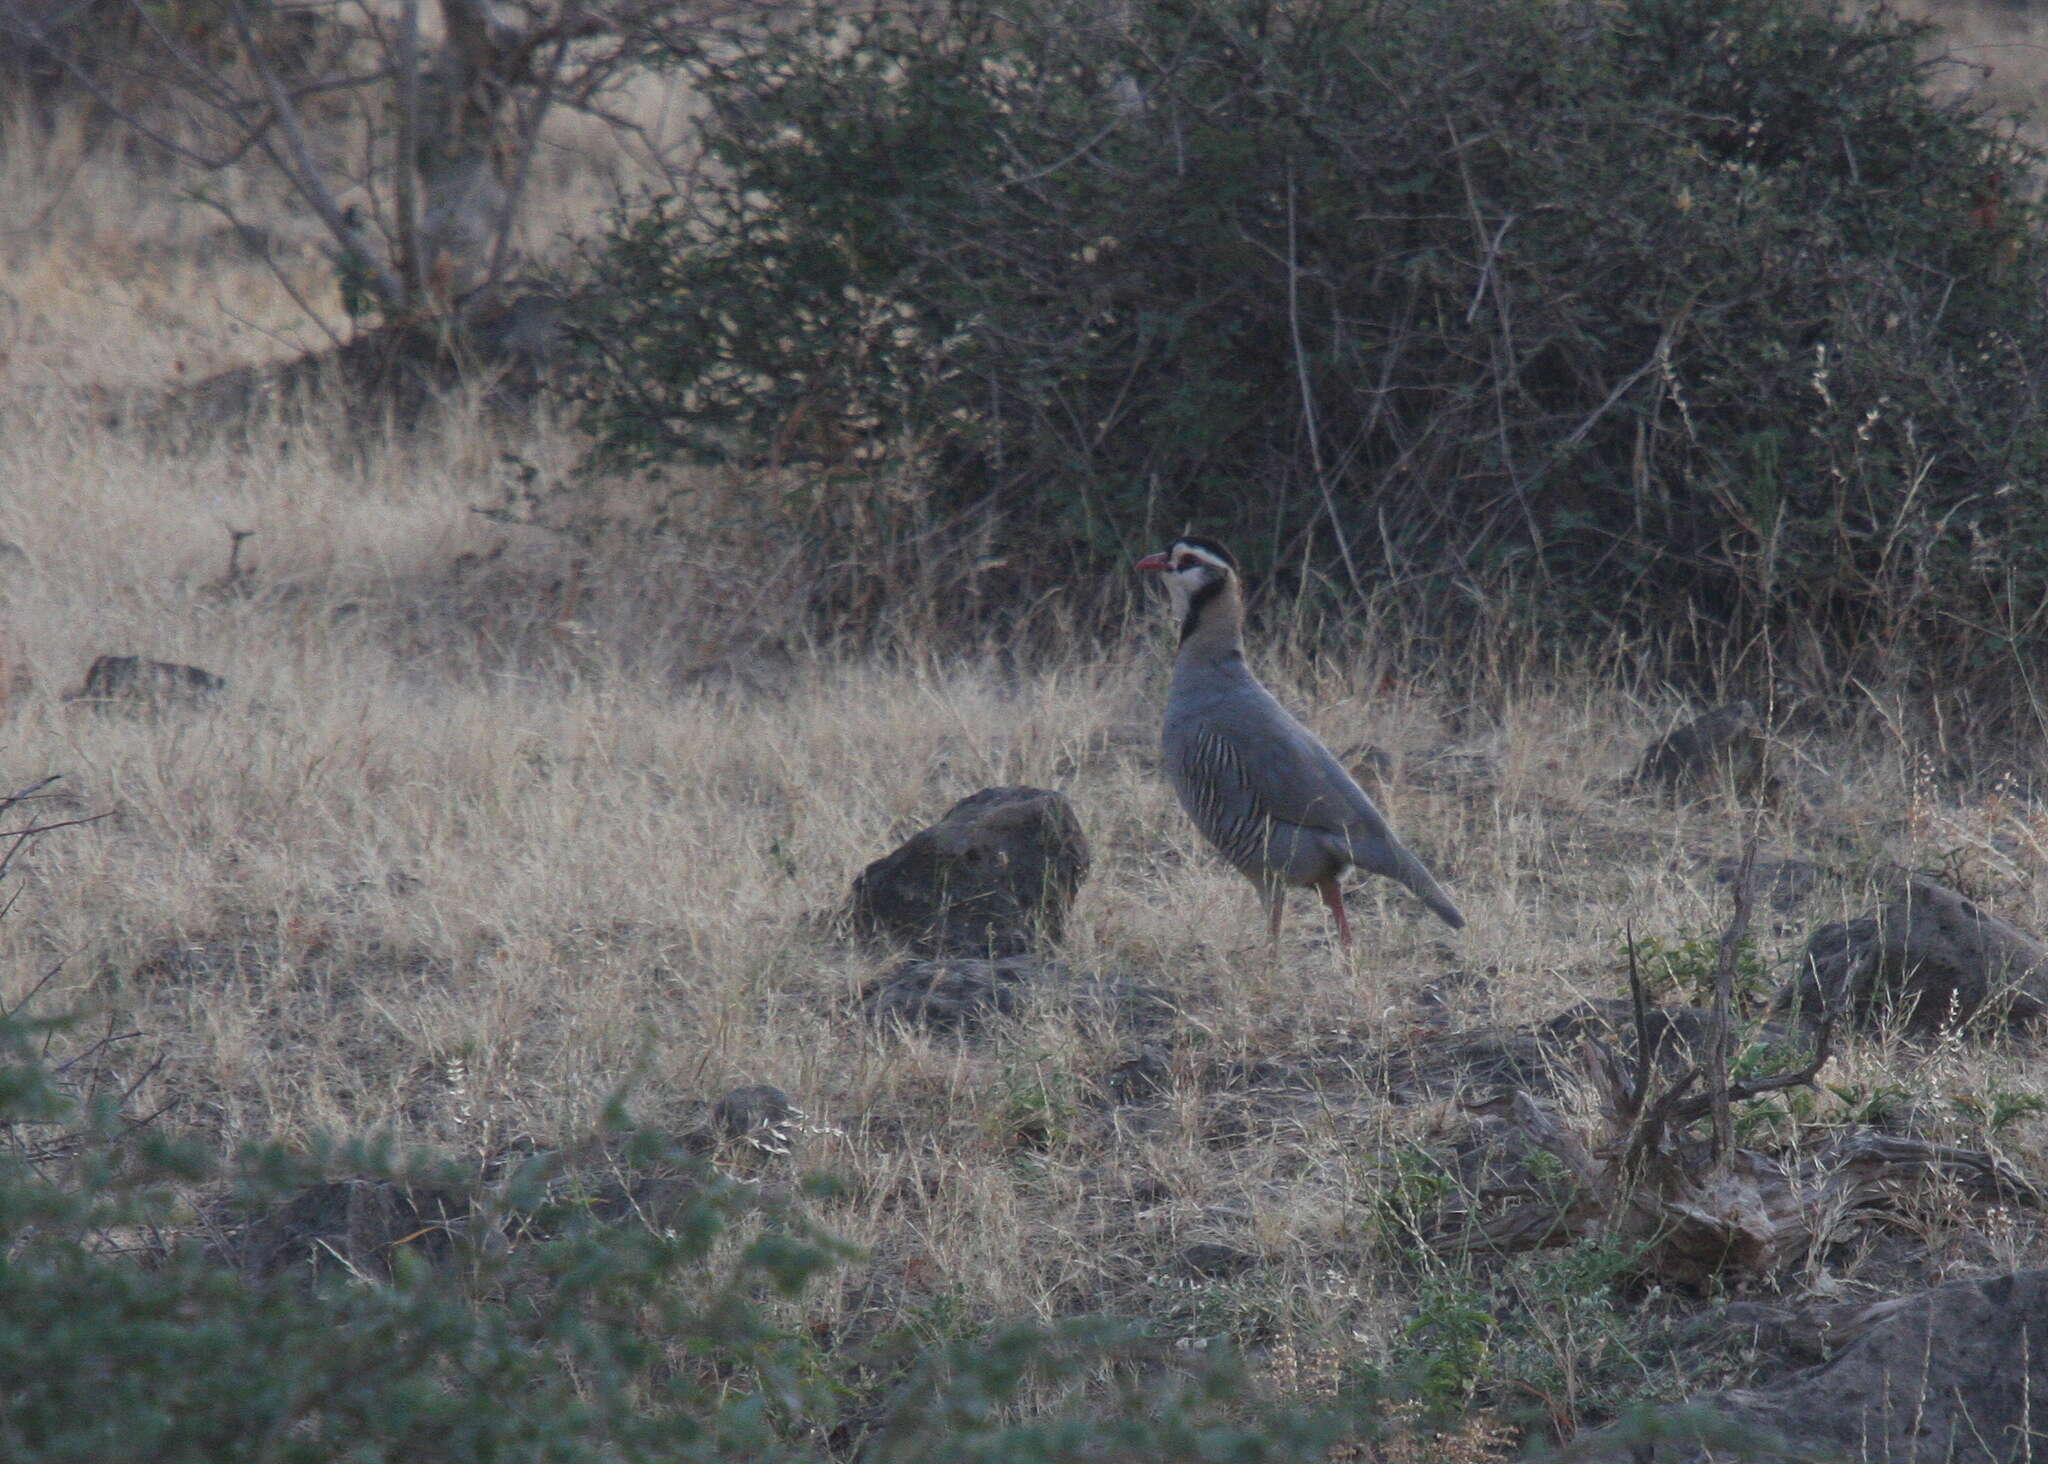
<point x="1699" y="1207"/>
<point x="1718" y="1055"/>
<point x="296" y="162"/>
<point x="1742" y="1090"/>
<point x="1639" y="1005"/>
<point x="428" y="210"/>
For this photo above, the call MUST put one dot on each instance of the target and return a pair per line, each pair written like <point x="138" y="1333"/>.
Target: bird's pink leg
<point x="1334" y="898"/>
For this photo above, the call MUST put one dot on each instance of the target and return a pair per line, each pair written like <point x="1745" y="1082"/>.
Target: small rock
<point x="135" y="681"/>
<point x="950" y="996"/>
<point x="1725" y="748"/>
<point x="993" y="878"/>
<point x="352" y="1224"/>
<point x="1784" y="883"/>
<point x="965" y="996"/>
<point x="1147" y="1075"/>
<point x="1214" y="1260"/>
<point x="1926" y="953"/>
<point x="758" y="1121"/>
<point x="1951" y="1376"/>
<point x="748" y="1109"/>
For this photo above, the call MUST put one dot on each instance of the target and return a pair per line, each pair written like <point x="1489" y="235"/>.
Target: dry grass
<point x="474" y="839"/>
<point x="2003" y="48"/>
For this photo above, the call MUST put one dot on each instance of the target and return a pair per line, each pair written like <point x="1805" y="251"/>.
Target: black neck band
<point x="1198" y="602"/>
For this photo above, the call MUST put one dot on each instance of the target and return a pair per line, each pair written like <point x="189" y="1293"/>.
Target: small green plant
<point x="1450" y="1337"/>
<point x="947" y="1315"/>
<point x="1877" y="1105"/>
<point x="1239" y="1311"/>
<point x="1404" y="1190"/>
<point x="1567" y="1338"/>
<point x="1683" y="969"/>
<point x="1032" y="1108"/>
<point x="1777" y="1116"/>
<point x="1997" y="1108"/>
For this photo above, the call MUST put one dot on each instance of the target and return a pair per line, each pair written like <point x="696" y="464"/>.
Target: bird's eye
<point x="1186" y="561"/>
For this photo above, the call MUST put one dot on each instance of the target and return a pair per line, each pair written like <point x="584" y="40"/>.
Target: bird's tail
<point x="1432" y="894"/>
<point x="1397" y="862"/>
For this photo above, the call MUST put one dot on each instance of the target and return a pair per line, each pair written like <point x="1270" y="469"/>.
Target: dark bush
<point x="1672" y="312"/>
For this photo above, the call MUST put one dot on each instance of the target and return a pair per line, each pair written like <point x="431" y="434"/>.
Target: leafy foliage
<point x="1678" y="314"/>
<point x="1683" y="968"/>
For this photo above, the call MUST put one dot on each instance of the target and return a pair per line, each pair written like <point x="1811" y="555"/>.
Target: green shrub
<point x="1694" y="317"/>
<point x="539" y="1332"/>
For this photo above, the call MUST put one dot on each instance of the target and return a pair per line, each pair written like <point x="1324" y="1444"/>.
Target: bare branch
<point x="304" y="173"/>
<point x="1639" y="1002"/>
<point x="277" y="271"/>
<point x="1309" y="423"/>
<point x="412" y="266"/>
<point x="1745" y="1089"/>
<point x="1720" y="1040"/>
<point x="531" y="116"/>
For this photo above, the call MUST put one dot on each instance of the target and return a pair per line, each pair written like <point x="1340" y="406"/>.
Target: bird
<point x="1257" y="783"/>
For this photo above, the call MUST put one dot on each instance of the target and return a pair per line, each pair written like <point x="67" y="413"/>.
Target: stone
<point x="993" y="878"/>
<point x="756" y="1123"/>
<point x="1785" y="884"/>
<point x="950" y="996"/>
<point x="1725" y="748"/>
<point x="965" y="997"/>
<point x="349" y="1225"/>
<point x="137" y="682"/>
<point x="1145" y="1075"/>
<point x="749" y="1109"/>
<point x="756" y="1114"/>
<point x="1950" y="1376"/>
<point x="1926" y="954"/>
<point x="1212" y="1260"/>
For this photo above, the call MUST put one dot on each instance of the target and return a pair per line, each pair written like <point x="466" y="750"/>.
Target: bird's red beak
<point x="1154" y="561"/>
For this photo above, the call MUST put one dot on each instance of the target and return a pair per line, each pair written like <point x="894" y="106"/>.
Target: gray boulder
<point x="965" y="997"/>
<point x="993" y="878"/>
<point x="137" y="682"/>
<point x="1926" y="954"/>
<point x="1950" y="1376"/>
<point x="1726" y="748"/>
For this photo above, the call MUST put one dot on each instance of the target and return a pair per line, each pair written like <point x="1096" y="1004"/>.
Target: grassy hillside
<point x="490" y="822"/>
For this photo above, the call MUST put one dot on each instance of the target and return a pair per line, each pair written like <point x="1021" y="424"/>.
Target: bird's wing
<point x="1255" y="762"/>
<point x="1290" y="775"/>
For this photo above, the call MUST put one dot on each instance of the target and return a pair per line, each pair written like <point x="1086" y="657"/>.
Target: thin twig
<point x="33" y="790"/>
<point x="1639" y="1001"/>
<point x="298" y="165"/>
<point x="22" y="836"/>
<point x="405" y="174"/>
<point x="1308" y="397"/>
<point x="1718" y="1041"/>
<point x="1742" y="1090"/>
<point x="34" y="991"/>
<point x="277" y="271"/>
